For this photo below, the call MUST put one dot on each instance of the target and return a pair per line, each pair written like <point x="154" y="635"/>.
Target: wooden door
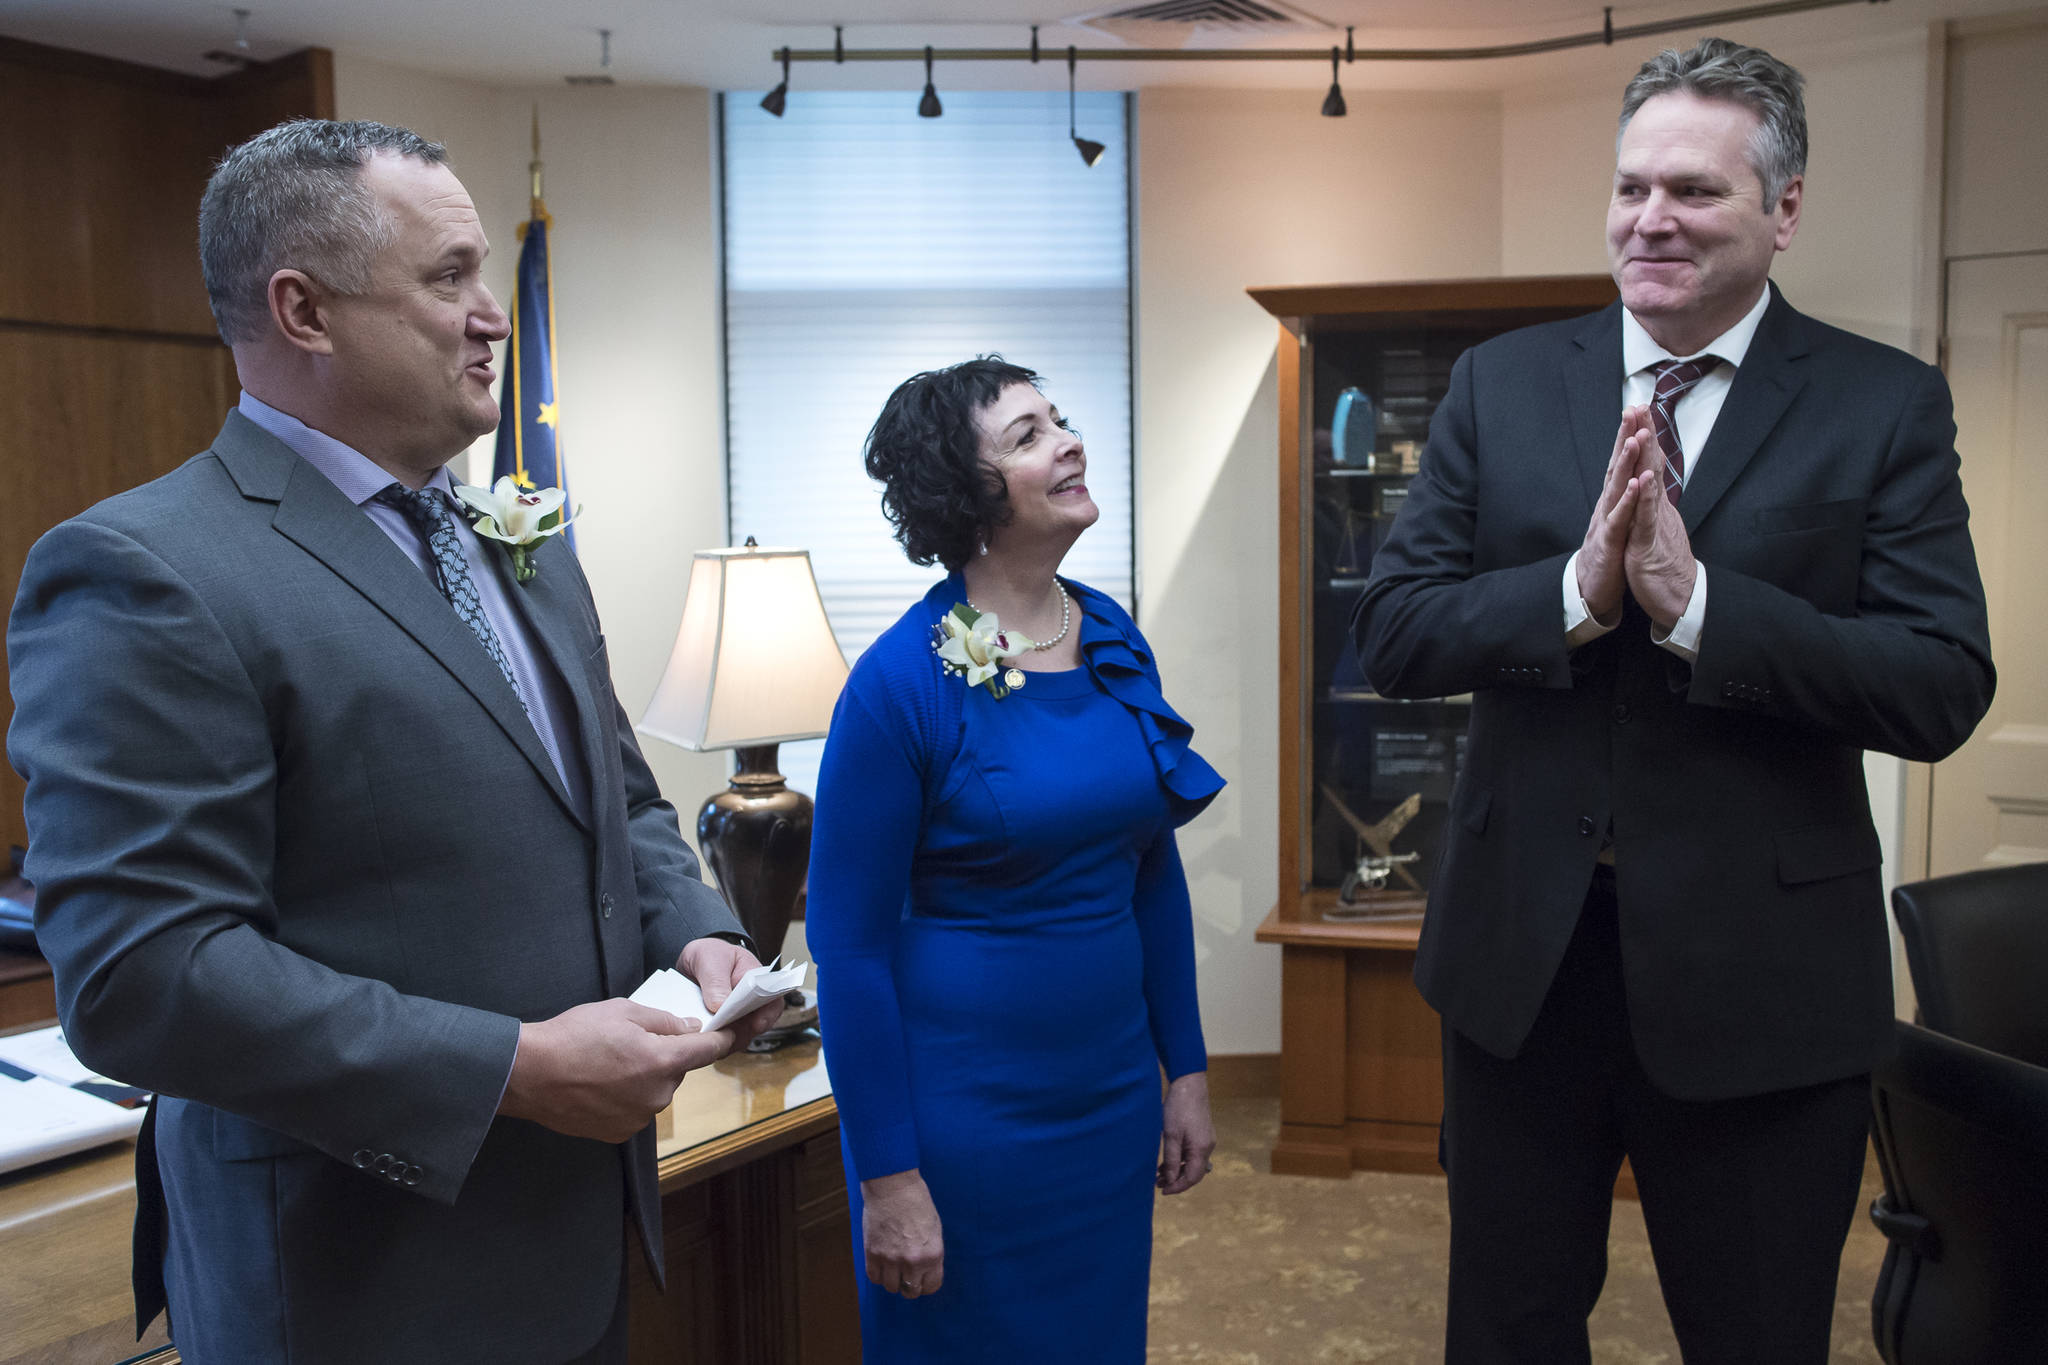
<point x="1990" y="801"/>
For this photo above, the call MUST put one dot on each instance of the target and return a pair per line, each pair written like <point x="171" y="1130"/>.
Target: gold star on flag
<point x="547" y="414"/>
<point x="524" y="480"/>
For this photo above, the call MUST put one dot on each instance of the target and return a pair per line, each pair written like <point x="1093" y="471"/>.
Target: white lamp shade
<point x="755" y="661"/>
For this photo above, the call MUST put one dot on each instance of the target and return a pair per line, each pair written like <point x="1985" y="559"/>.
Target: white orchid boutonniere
<point x="519" y="520"/>
<point x="974" y="645"/>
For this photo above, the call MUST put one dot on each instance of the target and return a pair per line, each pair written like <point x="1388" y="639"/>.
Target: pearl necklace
<point x="1066" y="617"/>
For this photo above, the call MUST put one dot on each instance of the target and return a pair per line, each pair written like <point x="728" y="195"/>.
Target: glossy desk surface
<point x="65" y="1225"/>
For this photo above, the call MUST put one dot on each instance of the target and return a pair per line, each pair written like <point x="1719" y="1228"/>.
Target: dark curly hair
<point x="925" y="451"/>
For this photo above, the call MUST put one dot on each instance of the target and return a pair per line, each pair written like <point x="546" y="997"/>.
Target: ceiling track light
<point x="604" y="63"/>
<point x="1333" y="103"/>
<point x="1091" y="152"/>
<point x="1608" y="34"/>
<point x="928" y="106"/>
<point x="776" y="100"/>
<point x="238" y="55"/>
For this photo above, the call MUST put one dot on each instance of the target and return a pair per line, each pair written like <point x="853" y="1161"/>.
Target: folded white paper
<point x="672" y="991"/>
<point x="40" y="1119"/>
<point x="45" y="1052"/>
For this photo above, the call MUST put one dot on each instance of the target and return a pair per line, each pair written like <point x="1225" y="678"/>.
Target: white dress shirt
<point x="1694" y="417"/>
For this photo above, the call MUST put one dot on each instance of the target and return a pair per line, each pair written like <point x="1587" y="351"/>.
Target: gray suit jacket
<point x="302" y="869"/>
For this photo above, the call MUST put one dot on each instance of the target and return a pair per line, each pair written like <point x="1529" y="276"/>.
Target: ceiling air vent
<point x="1174" y="23"/>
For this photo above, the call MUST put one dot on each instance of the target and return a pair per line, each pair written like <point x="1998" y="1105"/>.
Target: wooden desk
<point x="754" y="1214"/>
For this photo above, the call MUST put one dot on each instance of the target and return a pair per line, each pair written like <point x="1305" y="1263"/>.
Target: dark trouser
<point x="1747" y="1201"/>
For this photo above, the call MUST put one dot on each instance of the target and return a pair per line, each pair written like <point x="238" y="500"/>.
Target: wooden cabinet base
<point x="1361" y="1145"/>
<point x="760" y="1264"/>
<point x="1361" y="1077"/>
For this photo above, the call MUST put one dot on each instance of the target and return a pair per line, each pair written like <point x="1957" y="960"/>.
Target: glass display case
<point x="1365" y="781"/>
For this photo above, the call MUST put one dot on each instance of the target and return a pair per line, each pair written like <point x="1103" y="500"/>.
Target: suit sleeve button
<point x="412" y="1175"/>
<point x="1621" y="713"/>
<point x="1586" y="825"/>
<point x="364" y="1156"/>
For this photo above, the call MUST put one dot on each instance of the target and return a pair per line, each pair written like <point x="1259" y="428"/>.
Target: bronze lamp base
<point x="756" y="834"/>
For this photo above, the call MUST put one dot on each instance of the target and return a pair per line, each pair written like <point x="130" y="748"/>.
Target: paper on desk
<point x="672" y="991"/>
<point x="45" y="1052"/>
<point x="40" y="1120"/>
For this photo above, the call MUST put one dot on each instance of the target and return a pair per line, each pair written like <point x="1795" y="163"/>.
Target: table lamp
<point x="755" y="663"/>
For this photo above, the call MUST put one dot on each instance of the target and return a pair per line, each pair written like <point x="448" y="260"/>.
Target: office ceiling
<point x="726" y="44"/>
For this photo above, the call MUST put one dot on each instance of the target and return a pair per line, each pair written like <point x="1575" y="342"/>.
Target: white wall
<point x="1235" y="189"/>
<point x="630" y="182"/>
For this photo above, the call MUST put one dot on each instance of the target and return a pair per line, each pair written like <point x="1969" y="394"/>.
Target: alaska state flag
<point x="529" y="436"/>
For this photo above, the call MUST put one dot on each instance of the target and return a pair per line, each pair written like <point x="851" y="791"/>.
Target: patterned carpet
<point x="1251" y="1268"/>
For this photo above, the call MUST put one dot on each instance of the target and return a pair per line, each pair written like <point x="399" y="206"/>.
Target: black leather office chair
<point x="1962" y="1128"/>
<point x="1977" y="947"/>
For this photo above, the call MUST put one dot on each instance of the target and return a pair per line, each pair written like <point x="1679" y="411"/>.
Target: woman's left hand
<point x="1189" y="1137"/>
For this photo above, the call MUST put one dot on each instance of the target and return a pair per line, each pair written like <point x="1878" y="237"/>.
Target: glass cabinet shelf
<point x="1366" y="780"/>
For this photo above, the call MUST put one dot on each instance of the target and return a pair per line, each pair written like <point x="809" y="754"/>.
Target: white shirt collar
<point x="1639" y="351"/>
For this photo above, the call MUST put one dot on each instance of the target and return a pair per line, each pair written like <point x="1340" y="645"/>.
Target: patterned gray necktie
<point x="430" y="513"/>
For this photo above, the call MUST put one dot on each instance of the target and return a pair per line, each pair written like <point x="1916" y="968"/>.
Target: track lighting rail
<point x="1607" y="34"/>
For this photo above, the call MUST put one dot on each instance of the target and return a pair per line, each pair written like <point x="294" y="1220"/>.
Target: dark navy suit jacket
<point x="1843" y="613"/>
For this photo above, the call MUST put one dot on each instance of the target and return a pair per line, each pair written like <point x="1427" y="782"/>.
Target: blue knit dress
<point x="1005" y="959"/>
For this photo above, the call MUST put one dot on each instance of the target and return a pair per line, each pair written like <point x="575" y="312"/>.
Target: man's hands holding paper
<point x="603" y="1070"/>
<point x="1636" y="538"/>
<point x="717" y="965"/>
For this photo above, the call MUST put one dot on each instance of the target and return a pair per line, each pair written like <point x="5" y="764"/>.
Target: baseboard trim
<point x="1245" y="1075"/>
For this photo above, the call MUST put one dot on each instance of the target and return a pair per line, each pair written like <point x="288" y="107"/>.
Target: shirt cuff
<point x="1580" y="625"/>
<point x="1684" y="639"/>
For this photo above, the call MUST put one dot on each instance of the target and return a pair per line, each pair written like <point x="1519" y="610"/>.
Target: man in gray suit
<point x="342" y="842"/>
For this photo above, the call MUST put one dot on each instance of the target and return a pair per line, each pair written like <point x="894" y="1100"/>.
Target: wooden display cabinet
<point x="1362" y="368"/>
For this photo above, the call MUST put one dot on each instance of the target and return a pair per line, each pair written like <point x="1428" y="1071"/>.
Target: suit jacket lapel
<point x="1770" y="376"/>
<point x="1593" y="393"/>
<point x="315" y="515"/>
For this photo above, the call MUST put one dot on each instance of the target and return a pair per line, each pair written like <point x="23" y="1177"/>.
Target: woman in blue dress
<point x="1004" y="943"/>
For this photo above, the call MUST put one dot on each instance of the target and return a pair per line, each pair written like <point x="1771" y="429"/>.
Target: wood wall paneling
<point x="110" y="371"/>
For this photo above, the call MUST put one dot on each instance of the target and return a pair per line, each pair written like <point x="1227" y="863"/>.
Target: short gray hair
<point x="1717" y="69"/>
<point x="293" y="197"/>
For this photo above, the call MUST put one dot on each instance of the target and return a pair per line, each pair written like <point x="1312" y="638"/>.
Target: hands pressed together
<point x="604" y="1069"/>
<point x="1636" y="538"/>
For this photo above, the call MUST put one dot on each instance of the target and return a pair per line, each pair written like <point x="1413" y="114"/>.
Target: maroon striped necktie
<point x="1675" y="379"/>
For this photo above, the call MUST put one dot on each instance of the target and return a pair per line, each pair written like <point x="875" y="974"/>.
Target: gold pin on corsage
<point x="973" y="645"/>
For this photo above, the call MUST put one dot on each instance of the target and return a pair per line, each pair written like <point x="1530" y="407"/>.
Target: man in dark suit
<point x="343" y="844"/>
<point x="1657" y="929"/>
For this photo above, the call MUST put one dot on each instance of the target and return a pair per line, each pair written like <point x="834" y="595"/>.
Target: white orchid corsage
<point x="974" y="645"/>
<point x="518" y="519"/>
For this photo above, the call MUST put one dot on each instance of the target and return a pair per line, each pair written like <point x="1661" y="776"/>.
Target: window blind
<point x="863" y="244"/>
